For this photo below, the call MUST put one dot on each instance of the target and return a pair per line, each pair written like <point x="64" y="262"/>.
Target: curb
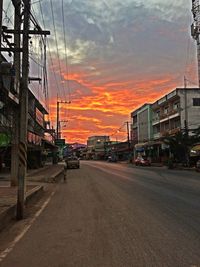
<point x="56" y="177"/>
<point x="9" y="214"/>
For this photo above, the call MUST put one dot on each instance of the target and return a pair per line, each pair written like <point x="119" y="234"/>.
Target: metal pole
<point x="198" y="59"/>
<point x="128" y="139"/>
<point x="128" y="136"/>
<point x="23" y="113"/>
<point x="57" y="125"/>
<point x="1" y="12"/>
<point x="15" y="134"/>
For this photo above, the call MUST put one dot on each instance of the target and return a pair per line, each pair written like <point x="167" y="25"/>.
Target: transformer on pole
<point x="195" y="31"/>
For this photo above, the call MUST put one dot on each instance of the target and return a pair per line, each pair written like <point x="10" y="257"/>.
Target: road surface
<point x="115" y="215"/>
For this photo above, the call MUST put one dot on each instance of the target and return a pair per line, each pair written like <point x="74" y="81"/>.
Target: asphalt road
<point x="114" y="215"/>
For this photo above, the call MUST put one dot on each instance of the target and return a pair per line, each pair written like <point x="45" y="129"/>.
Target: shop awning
<point x="49" y="145"/>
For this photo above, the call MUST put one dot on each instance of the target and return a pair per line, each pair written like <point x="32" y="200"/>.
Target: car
<point x="112" y="159"/>
<point x="142" y="161"/>
<point x="72" y="162"/>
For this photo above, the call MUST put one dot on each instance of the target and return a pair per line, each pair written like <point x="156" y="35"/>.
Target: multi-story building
<point x="175" y="111"/>
<point x="96" y="146"/>
<point x="141" y="124"/>
<point x="9" y="106"/>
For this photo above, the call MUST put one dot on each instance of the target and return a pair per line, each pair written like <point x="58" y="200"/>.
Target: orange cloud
<point x="106" y="105"/>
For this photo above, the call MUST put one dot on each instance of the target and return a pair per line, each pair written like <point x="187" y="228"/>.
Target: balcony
<point x="134" y="125"/>
<point x="156" y="120"/>
<point x="174" y="131"/>
<point x="170" y="132"/>
<point x="156" y="136"/>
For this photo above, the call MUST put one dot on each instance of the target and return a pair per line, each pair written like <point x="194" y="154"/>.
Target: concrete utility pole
<point x="23" y="90"/>
<point x="195" y="31"/>
<point x="23" y="113"/>
<point x="58" y="134"/>
<point x="15" y="134"/>
<point x="128" y="136"/>
<point x="1" y="12"/>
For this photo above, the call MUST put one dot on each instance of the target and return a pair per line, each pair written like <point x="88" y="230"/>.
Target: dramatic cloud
<point x="121" y="54"/>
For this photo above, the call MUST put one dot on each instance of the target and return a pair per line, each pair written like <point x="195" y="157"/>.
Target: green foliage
<point x="179" y="145"/>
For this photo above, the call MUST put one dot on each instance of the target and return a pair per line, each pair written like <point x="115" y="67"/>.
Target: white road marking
<point x="4" y="253"/>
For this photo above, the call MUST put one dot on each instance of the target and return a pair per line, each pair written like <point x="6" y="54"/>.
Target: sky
<point x="112" y="57"/>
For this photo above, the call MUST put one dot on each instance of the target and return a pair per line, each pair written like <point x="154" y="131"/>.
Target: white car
<point x="72" y="163"/>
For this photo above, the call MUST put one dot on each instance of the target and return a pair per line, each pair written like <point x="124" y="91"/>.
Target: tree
<point x="179" y="145"/>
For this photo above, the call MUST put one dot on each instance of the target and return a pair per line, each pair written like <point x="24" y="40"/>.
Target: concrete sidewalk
<point x="36" y="182"/>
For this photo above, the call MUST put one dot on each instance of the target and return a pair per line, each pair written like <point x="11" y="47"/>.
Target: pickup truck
<point x="72" y="162"/>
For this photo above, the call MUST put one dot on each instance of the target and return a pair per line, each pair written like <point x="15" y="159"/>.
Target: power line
<point x="56" y="40"/>
<point x="49" y="51"/>
<point x="66" y="62"/>
<point x="66" y="54"/>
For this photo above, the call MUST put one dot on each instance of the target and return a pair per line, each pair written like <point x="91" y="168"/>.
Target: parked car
<point x="142" y="161"/>
<point x="112" y="159"/>
<point x="72" y="162"/>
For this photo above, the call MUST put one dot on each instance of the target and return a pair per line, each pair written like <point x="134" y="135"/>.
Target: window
<point x="158" y="114"/>
<point x="196" y="102"/>
<point x="177" y="124"/>
<point x="176" y="105"/>
<point x="166" y="110"/>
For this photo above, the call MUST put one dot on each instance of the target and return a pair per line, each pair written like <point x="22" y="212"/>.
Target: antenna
<point x="195" y="31"/>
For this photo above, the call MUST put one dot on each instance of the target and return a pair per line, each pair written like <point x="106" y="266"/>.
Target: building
<point x="152" y="123"/>
<point x="38" y="138"/>
<point x="118" y="151"/>
<point x="96" y="146"/>
<point x="175" y="111"/>
<point x="9" y="104"/>
<point x="141" y="130"/>
<point x="141" y="124"/>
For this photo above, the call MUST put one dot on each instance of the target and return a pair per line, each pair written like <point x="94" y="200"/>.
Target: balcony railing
<point x="156" y="135"/>
<point x="170" y="132"/>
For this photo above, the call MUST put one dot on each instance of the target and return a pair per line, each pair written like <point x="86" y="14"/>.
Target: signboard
<point x="4" y="139"/>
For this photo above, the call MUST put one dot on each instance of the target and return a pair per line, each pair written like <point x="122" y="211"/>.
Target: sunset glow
<point x="120" y="56"/>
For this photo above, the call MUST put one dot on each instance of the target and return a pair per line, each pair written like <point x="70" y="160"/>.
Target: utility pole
<point x="195" y="31"/>
<point x="15" y="133"/>
<point x="1" y="12"/>
<point x="186" y="133"/>
<point x="23" y="113"/>
<point x="58" y="134"/>
<point x="57" y="123"/>
<point x="22" y="82"/>
<point x="128" y="135"/>
<point x="128" y="138"/>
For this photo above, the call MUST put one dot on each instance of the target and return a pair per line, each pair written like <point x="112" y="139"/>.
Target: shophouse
<point x="96" y="146"/>
<point x="175" y="111"/>
<point x="38" y="138"/>
<point x="141" y="130"/>
<point x="168" y="115"/>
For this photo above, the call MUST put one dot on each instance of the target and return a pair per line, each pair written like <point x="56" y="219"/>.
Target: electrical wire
<point x="50" y="56"/>
<point x="66" y="54"/>
<point x="56" y="41"/>
<point x="66" y="63"/>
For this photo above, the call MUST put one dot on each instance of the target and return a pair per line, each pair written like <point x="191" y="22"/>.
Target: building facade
<point x="96" y="146"/>
<point x="9" y="108"/>
<point x="174" y="112"/>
